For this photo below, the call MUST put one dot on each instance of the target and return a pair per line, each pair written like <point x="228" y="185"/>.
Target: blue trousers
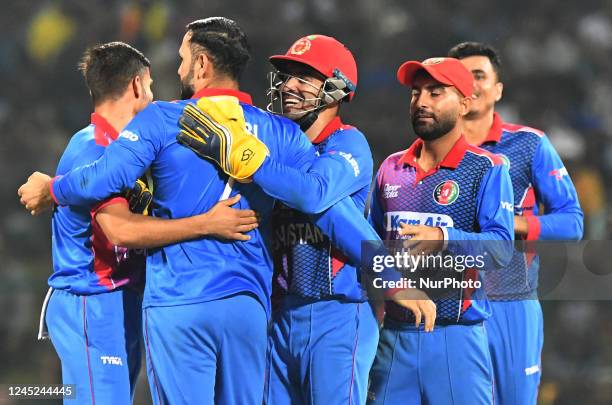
<point x="209" y="352"/>
<point x="449" y="366"/>
<point x="516" y="336"/>
<point x="97" y="338"/>
<point x="321" y="352"/>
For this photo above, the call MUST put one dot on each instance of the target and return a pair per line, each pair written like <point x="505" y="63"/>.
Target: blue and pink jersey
<point x="307" y="263"/>
<point x="84" y="261"/>
<point x="539" y="177"/>
<point x="469" y="196"/>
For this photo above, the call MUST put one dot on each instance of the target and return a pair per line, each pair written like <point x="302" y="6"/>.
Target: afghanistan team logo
<point x="300" y="47"/>
<point x="446" y="192"/>
<point x="433" y="61"/>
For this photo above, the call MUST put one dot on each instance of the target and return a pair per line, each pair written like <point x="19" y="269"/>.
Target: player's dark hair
<point x="109" y="68"/>
<point x="466" y="49"/>
<point x="224" y="43"/>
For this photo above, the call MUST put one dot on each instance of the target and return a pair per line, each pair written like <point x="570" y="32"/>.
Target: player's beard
<point x="439" y="126"/>
<point x="187" y="89"/>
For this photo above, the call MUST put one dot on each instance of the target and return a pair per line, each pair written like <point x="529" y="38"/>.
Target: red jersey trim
<point x="534" y="227"/>
<point x="329" y="129"/>
<point x="51" y="189"/>
<point x="495" y="159"/>
<point x="496" y="130"/>
<point x="106" y="203"/>
<point x="451" y="160"/>
<point x="521" y="128"/>
<point x="211" y="92"/>
<point x="104" y="132"/>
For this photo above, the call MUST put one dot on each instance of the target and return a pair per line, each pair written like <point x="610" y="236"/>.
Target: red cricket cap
<point x="324" y="54"/>
<point x="448" y="71"/>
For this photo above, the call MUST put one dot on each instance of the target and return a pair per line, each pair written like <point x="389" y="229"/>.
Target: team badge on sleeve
<point x="446" y="192"/>
<point x="559" y="173"/>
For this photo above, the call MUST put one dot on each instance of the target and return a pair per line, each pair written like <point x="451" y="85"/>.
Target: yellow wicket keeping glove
<point x="216" y="130"/>
<point x="140" y="196"/>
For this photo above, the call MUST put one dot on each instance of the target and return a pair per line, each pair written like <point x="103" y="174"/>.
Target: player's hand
<point x="139" y="198"/>
<point x="35" y="194"/>
<point x="423" y="239"/>
<point x="216" y="130"/>
<point x="521" y="227"/>
<point x="224" y="222"/>
<point x="419" y="304"/>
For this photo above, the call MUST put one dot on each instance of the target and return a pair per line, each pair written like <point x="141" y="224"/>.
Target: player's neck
<point x="115" y="113"/>
<point x="476" y="128"/>
<point x="221" y="82"/>
<point x="433" y="152"/>
<point x="324" y="118"/>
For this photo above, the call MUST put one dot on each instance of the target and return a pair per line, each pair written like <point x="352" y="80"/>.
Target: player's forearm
<point x="302" y="191"/>
<point x="85" y="186"/>
<point x="556" y="192"/>
<point x="494" y="239"/>
<point x="115" y="171"/>
<point x="65" y="190"/>
<point x="560" y="226"/>
<point x="494" y="246"/>
<point x="521" y="226"/>
<point x="347" y="228"/>
<point x="139" y="231"/>
<point x="311" y="191"/>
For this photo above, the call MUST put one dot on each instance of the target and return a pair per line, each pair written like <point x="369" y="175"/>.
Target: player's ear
<point x="201" y="66"/>
<point x="465" y="105"/>
<point x="499" y="87"/>
<point x="137" y="87"/>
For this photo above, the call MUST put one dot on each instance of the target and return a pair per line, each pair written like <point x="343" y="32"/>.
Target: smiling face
<point x="301" y="89"/>
<point x="487" y="87"/>
<point x="434" y="107"/>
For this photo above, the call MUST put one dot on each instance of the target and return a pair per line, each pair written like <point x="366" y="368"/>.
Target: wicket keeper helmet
<point x="325" y="55"/>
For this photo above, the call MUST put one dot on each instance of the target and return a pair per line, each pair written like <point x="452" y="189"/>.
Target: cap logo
<point x="446" y="192"/>
<point x="300" y="47"/>
<point x="433" y="61"/>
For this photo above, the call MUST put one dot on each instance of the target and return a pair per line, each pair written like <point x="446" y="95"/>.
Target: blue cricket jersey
<point x="469" y="195"/>
<point x="84" y="261"/>
<point x="185" y="185"/>
<point x="538" y="177"/>
<point x="307" y="262"/>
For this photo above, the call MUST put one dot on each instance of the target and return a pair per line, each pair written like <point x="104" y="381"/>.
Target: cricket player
<point x="94" y="313"/>
<point x="324" y="333"/>
<point x="539" y="178"/>
<point x="206" y="302"/>
<point x="448" y="191"/>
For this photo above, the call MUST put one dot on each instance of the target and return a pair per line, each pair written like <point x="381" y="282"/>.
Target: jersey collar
<point x="451" y="160"/>
<point x="210" y="92"/>
<point x="329" y="129"/>
<point x="495" y="132"/>
<point x="104" y="132"/>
